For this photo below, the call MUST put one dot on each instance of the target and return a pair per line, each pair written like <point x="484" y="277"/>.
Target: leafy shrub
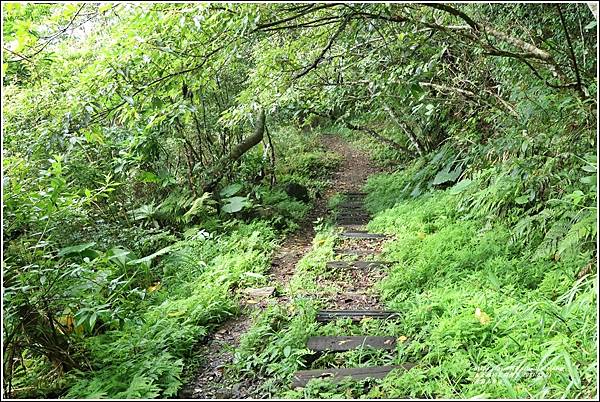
<point x="149" y="326"/>
<point x="274" y="348"/>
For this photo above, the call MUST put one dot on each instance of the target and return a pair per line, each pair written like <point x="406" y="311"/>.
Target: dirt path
<point x="353" y="287"/>
<point x="211" y="380"/>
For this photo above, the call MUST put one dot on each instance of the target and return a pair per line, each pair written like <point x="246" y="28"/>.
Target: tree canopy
<point x="126" y="125"/>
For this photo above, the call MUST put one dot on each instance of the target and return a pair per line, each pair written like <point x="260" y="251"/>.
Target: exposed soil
<point x="354" y="286"/>
<point x="355" y="169"/>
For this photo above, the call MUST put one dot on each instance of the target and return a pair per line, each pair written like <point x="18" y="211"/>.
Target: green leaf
<point x="75" y="249"/>
<point x="444" y="176"/>
<point x="93" y="318"/>
<point x="150" y="257"/>
<point x="588" y="179"/>
<point x="416" y="191"/>
<point x="197" y="206"/>
<point x="576" y="196"/>
<point x="148" y="177"/>
<point x="104" y="7"/>
<point x="81" y="317"/>
<point x="524" y="199"/>
<point x="230" y="190"/>
<point x="235" y="204"/>
<point x="461" y="186"/>
<point x="119" y="255"/>
<point x="590" y="168"/>
<point x="287" y="351"/>
<point x="591" y="25"/>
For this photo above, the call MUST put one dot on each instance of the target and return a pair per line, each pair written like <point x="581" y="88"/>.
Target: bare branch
<point x="571" y="52"/>
<point x="312" y="9"/>
<point x="316" y="62"/>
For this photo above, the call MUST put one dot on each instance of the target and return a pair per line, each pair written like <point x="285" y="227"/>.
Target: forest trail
<point x="211" y="380"/>
<point x="148" y="254"/>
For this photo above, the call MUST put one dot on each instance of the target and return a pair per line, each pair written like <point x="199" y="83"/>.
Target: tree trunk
<point x="221" y="167"/>
<point x="411" y="137"/>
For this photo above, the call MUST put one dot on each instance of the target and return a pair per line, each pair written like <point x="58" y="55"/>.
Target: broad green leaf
<point x="588" y="179"/>
<point x="590" y="168"/>
<point x="524" y="199"/>
<point x="75" y="249"/>
<point x="445" y="176"/>
<point x="235" y="204"/>
<point x="461" y="186"/>
<point x="150" y="257"/>
<point x="230" y="190"/>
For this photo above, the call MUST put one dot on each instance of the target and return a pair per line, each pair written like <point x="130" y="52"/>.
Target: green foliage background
<point x="116" y="261"/>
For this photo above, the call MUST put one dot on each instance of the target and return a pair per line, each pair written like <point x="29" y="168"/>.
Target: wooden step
<point x="301" y="378"/>
<point x="352" y="218"/>
<point x="354" y="199"/>
<point x="345" y="343"/>
<point x="353" y="210"/>
<point x="352" y="214"/>
<point x="351" y="205"/>
<point x="352" y="222"/>
<point x="363" y="235"/>
<point x="354" y="315"/>
<point x="350" y="225"/>
<point x="356" y="264"/>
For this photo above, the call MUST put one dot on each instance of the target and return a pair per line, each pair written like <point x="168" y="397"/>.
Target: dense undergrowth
<point x="134" y="321"/>
<point x="497" y="296"/>
<point x="494" y="274"/>
<point x="154" y="154"/>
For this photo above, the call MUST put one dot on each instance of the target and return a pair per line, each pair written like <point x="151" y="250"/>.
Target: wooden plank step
<point x="352" y="221"/>
<point x="354" y="315"/>
<point x="363" y="235"/>
<point x="352" y="224"/>
<point x="347" y="225"/>
<point x="356" y="264"/>
<point x="345" y="343"/>
<point x="351" y="204"/>
<point x="347" y="214"/>
<point x="301" y="378"/>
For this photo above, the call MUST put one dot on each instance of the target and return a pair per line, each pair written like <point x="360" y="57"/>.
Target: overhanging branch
<point x="221" y="167"/>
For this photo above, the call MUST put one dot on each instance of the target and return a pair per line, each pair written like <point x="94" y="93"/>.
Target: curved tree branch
<point x="316" y="62"/>
<point x="571" y="52"/>
<point x="221" y="167"/>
